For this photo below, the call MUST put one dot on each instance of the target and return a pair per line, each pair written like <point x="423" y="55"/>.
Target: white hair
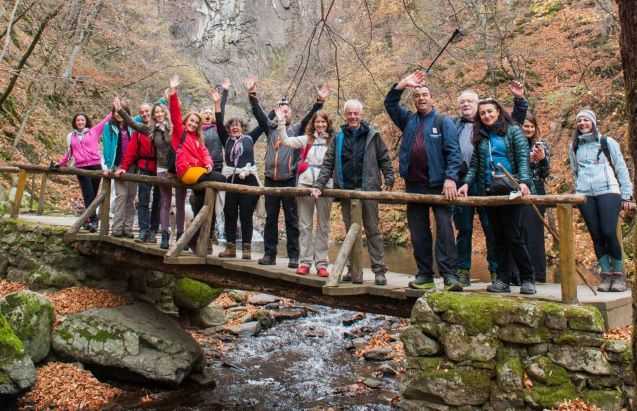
<point x="353" y="104"/>
<point x="469" y="92"/>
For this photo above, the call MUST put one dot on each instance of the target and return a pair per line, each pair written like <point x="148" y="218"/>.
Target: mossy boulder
<point x="584" y="318"/>
<point x="194" y="295"/>
<point x="570" y="337"/>
<point x="576" y="358"/>
<point x="521" y="334"/>
<point x="135" y="338"/>
<point x="462" y="347"/>
<point x="607" y="400"/>
<point x="546" y="397"/>
<point x="44" y="277"/>
<point x="31" y="316"/>
<point x="510" y="374"/>
<point x="17" y="371"/>
<point x="417" y="343"/>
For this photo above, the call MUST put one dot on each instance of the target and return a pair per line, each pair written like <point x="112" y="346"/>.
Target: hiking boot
<point x="606" y="283"/>
<point x="347" y="278"/>
<point x="528" y="287"/>
<point x="619" y="283"/>
<point x="498" y="286"/>
<point x="464" y="277"/>
<point x="303" y="269"/>
<point x="92" y="227"/>
<point x="165" y="240"/>
<point x="379" y="279"/>
<point x="267" y="260"/>
<point x="293" y="263"/>
<point x="451" y="283"/>
<point x="229" y="252"/>
<point x="323" y="272"/>
<point x="142" y="237"/>
<point x="152" y="237"/>
<point x="422" y="282"/>
<point x="118" y="234"/>
<point x="494" y="275"/>
<point x="246" y="252"/>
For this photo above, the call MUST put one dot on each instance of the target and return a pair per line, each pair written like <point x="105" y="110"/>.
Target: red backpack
<point x="303" y="165"/>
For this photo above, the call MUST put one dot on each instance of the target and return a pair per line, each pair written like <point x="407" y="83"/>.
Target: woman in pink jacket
<point x="83" y="148"/>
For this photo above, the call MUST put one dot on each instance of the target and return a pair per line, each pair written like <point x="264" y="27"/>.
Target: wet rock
<point x="379" y="354"/>
<point x="264" y="317"/>
<point x="314" y="332"/>
<point x="262" y="299"/>
<point x="136" y="338"/>
<point x="418" y="344"/>
<point x="239" y="296"/>
<point x="17" y="371"/>
<point x="387" y="370"/>
<point x="193" y="295"/>
<point x="588" y="359"/>
<point x="288" y="314"/>
<point x="246" y="329"/>
<point x="461" y="347"/>
<point x="520" y="334"/>
<point x="211" y="315"/>
<point x="353" y="319"/>
<point x="372" y="383"/>
<point x="31" y="317"/>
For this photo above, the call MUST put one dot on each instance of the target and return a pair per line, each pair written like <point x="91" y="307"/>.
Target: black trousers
<point x="89" y="186"/>
<point x="422" y="239"/>
<point x="510" y="239"/>
<point x="601" y="214"/>
<point x="273" y="205"/>
<point x="240" y="206"/>
<point x="534" y="231"/>
<point x="147" y="211"/>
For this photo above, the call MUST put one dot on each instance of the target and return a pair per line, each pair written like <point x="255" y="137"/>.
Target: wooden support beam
<point x="204" y="233"/>
<point x="17" y="200"/>
<point x="41" y="197"/>
<point x="567" y="254"/>
<point x="105" y="207"/>
<point x="356" y="256"/>
<point x="343" y="255"/>
<point x="87" y="213"/>
<point x="32" y="197"/>
<point x="183" y="241"/>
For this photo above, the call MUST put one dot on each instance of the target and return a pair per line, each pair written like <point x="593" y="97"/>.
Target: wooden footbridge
<point x="393" y="299"/>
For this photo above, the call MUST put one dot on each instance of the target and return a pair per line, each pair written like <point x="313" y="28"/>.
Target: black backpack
<point x="172" y="155"/>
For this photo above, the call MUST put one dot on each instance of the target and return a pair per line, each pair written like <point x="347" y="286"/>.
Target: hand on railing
<point x="119" y="172"/>
<point x="449" y="189"/>
<point x="316" y="193"/>
<point x="54" y="166"/>
<point x="463" y="191"/>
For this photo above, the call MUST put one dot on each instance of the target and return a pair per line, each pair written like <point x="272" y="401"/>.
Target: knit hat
<point x="588" y="114"/>
<point x="284" y="101"/>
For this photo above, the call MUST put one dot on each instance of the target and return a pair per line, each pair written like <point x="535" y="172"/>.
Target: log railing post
<point x="190" y="232"/>
<point x="343" y="255"/>
<point x="204" y="233"/>
<point x="105" y="207"/>
<point x="88" y="212"/>
<point x="356" y="255"/>
<point x="567" y="253"/>
<point x="17" y="200"/>
<point x="32" y="196"/>
<point x="45" y="177"/>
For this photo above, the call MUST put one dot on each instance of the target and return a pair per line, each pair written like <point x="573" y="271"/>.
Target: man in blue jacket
<point x="429" y="162"/>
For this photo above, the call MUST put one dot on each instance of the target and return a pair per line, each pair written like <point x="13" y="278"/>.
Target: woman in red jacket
<point x="192" y="160"/>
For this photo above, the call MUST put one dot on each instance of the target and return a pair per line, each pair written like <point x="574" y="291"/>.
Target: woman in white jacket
<point x="313" y="145"/>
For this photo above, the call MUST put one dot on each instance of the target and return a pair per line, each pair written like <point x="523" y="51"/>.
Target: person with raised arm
<point x="313" y="144"/>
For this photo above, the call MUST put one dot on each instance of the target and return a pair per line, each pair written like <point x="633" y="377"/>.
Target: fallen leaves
<point x="77" y="299"/>
<point x="621" y="333"/>
<point x="7" y="287"/>
<point x="382" y="339"/>
<point x="224" y="300"/>
<point x="66" y="387"/>
<point x="576" y="405"/>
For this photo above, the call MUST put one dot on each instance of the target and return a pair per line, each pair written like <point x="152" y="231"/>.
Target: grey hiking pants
<point x="124" y="207"/>
<point x="375" y="244"/>
<point x="313" y="243"/>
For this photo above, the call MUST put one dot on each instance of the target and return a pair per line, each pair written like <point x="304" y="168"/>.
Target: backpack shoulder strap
<point x="603" y="141"/>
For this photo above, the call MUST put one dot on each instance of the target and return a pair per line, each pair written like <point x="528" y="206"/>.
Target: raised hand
<point x="250" y="84"/>
<point x="174" y="83"/>
<point x="214" y="93"/>
<point x="117" y="104"/>
<point x="415" y="79"/>
<point x="226" y="84"/>
<point x="517" y="88"/>
<point x="280" y="114"/>
<point x="323" y="92"/>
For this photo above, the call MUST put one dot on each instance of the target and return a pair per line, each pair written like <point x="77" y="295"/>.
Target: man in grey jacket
<point x="280" y="171"/>
<point x="356" y="157"/>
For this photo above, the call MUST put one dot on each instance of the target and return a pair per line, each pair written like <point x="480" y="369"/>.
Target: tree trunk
<point x="82" y="37"/>
<point x="627" y="40"/>
<point x="7" y="41"/>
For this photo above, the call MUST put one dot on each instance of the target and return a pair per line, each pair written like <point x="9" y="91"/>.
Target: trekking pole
<point x="555" y="235"/>
<point x="456" y="35"/>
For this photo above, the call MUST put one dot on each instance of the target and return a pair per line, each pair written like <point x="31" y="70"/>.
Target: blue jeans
<point x="463" y="219"/>
<point x="148" y="218"/>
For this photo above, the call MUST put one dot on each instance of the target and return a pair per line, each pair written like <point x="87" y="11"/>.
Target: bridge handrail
<point x="390" y="197"/>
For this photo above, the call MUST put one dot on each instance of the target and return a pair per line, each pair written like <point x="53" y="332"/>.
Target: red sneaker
<point x="322" y="272"/>
<point x="303" y="269"/>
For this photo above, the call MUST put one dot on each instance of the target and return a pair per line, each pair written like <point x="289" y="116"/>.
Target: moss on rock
<point x="607" y="400"/>
<point x="549" y="396"/>
<point x="194" y="295"/>
<point x="584" y="318"/>
<point x="11" y="348"/>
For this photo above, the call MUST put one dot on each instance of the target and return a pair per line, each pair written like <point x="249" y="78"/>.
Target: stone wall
<point x="476" y="351"/>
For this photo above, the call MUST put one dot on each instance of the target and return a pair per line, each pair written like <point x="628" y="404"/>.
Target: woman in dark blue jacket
<point x="498" y="143"/>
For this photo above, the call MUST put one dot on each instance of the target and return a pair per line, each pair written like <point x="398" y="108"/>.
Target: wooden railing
<point x="351" y="248"/>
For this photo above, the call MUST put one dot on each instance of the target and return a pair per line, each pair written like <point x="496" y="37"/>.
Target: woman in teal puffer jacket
<point x="499" y="142"/>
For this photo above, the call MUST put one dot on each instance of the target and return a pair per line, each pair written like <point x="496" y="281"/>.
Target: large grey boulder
<point x="31" y="317"/>
<point x="136" y="337"/>
<point x="17" y="371"/>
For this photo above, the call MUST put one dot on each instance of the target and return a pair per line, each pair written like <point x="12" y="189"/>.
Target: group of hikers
<point x="483" y="151"/>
